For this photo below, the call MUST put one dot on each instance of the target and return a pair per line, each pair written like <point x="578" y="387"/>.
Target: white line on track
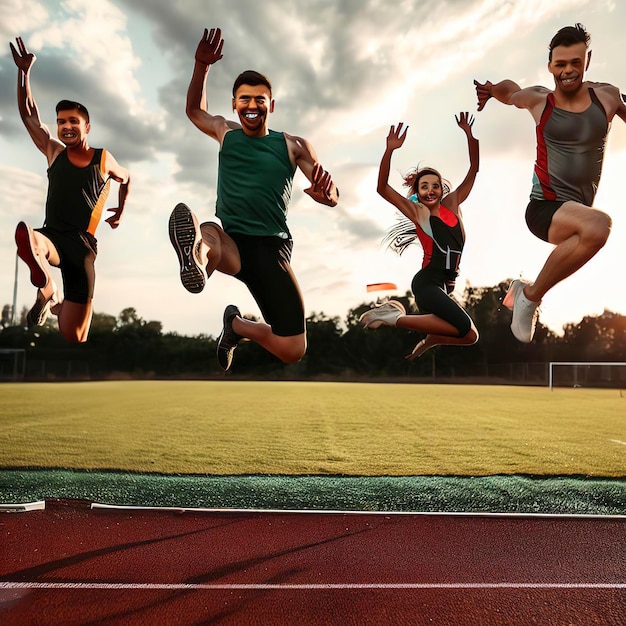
<point x="623" y="443"/>
<point x="557" y="516"/>
<point x="303" y="586"/>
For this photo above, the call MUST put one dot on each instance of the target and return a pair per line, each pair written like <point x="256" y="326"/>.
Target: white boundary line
<point x="25" y="506"/>
<point x="41" y="504"/>
<point x="303" y="586"/>
<point x="174" y="509"/>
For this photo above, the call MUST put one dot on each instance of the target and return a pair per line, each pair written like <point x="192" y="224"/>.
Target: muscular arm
<point x="27" y="107"/>
<point x="302" y="153"/>
<point x="509" y="92"/>
<point x="209" y="51"/>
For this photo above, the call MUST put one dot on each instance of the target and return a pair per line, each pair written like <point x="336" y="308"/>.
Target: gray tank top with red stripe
<point x="570" y="151"/>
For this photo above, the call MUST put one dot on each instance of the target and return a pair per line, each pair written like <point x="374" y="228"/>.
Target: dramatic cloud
<point x="343" y="71"/>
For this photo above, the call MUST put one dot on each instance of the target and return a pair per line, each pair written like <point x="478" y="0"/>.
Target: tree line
<point x="128" y="345"/>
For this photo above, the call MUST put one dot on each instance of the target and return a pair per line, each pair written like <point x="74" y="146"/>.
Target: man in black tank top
<point x="78" y="188"/>
<point x="253" y="243"/>
<point x="572" y="122"/>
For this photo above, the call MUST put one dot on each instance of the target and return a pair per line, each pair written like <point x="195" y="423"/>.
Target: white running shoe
<point x="40" y="311"/>
<point x="386" y="314"/>
<point x="525" y="311"/>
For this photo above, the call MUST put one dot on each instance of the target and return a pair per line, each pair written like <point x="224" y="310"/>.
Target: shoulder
<point x="601" y="86"/>
<point x="609" y="95"/>
<point x="450" y="202"/>
<point x="294" y="140"/>
<point x="605" y="90"/>
<point x="530" y="96"/>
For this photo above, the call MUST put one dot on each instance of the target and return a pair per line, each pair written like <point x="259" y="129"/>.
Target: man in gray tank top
<point x="253" y="243"/>
<point x="572" y="122"/>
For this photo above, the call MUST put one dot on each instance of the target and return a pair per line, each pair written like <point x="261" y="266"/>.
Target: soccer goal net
<point x="12" y="364"/>
<point x="586" y="374"/>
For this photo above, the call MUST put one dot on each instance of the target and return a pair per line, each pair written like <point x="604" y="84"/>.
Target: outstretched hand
<point x="396" y="136"/>
<point x="22" y="57"/>
<point x="322" y="187"/>
<point x="209" y="49"/>
<point x="483" y="93"/>
<point x="465" y="122"/>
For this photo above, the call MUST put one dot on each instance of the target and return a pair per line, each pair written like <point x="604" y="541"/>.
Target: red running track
<point x="70" y="564"/>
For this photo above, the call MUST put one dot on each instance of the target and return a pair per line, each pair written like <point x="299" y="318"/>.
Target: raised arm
<point x="395" y="139"/>
<point x="208" y="52"/>
<point x="465" y="122"/>
<point x="120" y="174"/>
<point x="27" y="107"/>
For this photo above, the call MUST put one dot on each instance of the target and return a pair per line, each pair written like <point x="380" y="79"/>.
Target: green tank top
<point x="254" y="182"/>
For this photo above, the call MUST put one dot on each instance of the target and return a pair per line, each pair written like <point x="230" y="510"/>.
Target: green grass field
<point x="313" y="428"/>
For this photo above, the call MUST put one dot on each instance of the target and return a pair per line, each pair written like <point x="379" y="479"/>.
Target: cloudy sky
<point x="343" y="71"/>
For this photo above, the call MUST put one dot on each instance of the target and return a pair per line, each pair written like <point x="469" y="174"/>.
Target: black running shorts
<point x="266" y="271"/>
<point x="77" y="252"/>
<point x="539" y="214"/>
<point x="430" y="289"/>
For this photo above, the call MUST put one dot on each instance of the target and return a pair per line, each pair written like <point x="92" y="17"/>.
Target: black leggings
<point x="431" y="296"/>
<point x="77" y="252"/>
<point x="266" y="271"/>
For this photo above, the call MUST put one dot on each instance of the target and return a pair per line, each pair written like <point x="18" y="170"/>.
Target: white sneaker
<point x="386" y="314"/>
<point x="525" y="312"/>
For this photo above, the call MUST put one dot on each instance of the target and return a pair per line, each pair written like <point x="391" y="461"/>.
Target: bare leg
<point x="287" y="349"/>
<point x="218" y="251"/>
<point x="579" y="233"/>
<point x="431" y="340"/>
<point x="427" y="323"/>
<point x="38" y="252"/>
<point x="74" y="320"/>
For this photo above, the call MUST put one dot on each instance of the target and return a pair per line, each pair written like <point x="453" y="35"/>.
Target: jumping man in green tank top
<point x="253" y="244"/>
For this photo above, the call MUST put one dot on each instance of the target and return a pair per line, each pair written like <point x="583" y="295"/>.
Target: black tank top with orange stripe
<point x="75" y="194"/>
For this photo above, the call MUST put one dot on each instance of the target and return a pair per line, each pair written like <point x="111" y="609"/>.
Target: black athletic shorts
<point x="539" y="214"/>
<point x="266" y="271"/>
<point x="77" y="252"/>
<point x="430" y="289"/>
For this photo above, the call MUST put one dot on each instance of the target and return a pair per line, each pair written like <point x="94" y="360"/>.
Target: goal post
<point x="12" y="363"/>
<point x="579" y="373"/>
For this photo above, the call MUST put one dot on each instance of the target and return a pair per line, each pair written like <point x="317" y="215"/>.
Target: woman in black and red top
<point x="433" y="217"/>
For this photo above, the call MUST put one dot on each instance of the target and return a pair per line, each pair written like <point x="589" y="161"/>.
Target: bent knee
<point x="597" y="233"/>
<point x="293" y="355"/>
<point x="73" y="336"/>
<point x="471" y="337"/>
<point x="292" y="352"/>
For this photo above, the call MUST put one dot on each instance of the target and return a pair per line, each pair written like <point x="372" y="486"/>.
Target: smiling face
<point x="253" y="103"/>
<point x="429" y="190"/>
<point x="72" y="127"/>
<point x="568" y="67"/>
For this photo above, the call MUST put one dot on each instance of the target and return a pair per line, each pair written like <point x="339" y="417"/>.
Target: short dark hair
<point x="68" y="105"/>
<point x="250" y="77"/>
<point x="569" y="36"/>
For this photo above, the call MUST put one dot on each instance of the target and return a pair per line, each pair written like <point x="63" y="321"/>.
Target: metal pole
<point x="14" y="314"/>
